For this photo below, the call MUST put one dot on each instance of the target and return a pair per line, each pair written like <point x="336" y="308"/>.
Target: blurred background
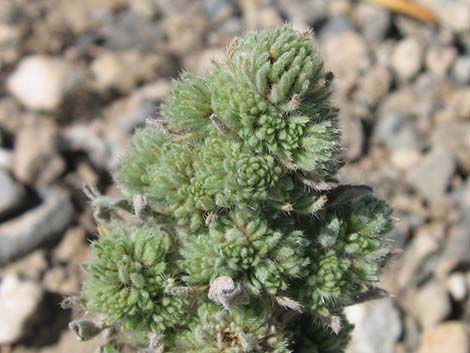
<point x="77" y="77"/>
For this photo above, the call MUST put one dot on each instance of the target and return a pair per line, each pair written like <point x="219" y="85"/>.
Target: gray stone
<point x="455" y="251"/>
<point x="218" y="10"/>
<point x="432" y="304"/>
<point x="36" y="227"/>
<point x="397" y="131"/>
<point x="377" y="326"/>
<point x="336" y="25"/>
<point x="41" y="82"/>
<point x="19" y="303"/>
<point x="461" y="70"/>
<point x="127" y="30"/>
<point x="449" y="337"/>
<point x="373" y="20"/>
<point x="12" y="193"/>
<point x="407" y="58"/>
<point x="431" y="176"/>
<point x="304" y="12"/>
<point x="455" y="136"/>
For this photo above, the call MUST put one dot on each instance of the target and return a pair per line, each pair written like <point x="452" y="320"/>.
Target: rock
<point x="397" y="131"/>
<point x="431" y="176"/>
<point x="41" y="82"/>
<point x="128" y="30"/>
<point x="407" y="58"/>
<point x="373" y="21"/>
<point x="352" y="138"/>
<point x="440" y="59"/>
<point x="144" y="8"/>
<point x="455" y="251"/>
<point x="219" y="10"/>
<point x="461" y="70"/>
<point x="432" y="304"/>
<point x="185" y="33"/>
<point x="455" y="136"/>
<point x="38" y="226"/>
<point x="451" y="14"/>
<point x="405" y="158"/>
<point x="377" y="327"/>
<point x="304" y="13"/>
<point x="36" y="158"/>
<point x="462" y="196"/>
<point x="6" y="158"/>
<point x="259" y="14"/>
<point x="347" y="56"/>
<point x="200" y="62"/>
<point x="31" y="266"/>
<point x="449" y="337"/>
<point x="422" y="245"/>
<point x="12" y="193"/>
<point x="374" y="85"/>
<point x="457" y="286"/>
<point x="336" y="25"/>
<point x="108" y="68"/>
<point x="19" y="302"/>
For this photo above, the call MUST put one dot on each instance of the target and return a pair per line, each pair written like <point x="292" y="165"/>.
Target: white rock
<point x="19" y="302"/>
<point x="407" y="58"/>
<point x="41" y="82"/>
<point x="457" y="286"/>
<point x="377" y="326"/>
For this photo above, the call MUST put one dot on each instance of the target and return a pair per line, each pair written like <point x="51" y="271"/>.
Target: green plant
<point x="237" y="236"/>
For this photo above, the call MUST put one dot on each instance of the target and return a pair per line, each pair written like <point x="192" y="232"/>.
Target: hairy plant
<point x="232" y="234"/>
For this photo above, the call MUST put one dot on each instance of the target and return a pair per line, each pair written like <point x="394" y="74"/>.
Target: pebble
<point x="128" y="30"/>
<point x="440" y="59"/>
<point x="455" y="136"/>
<point x="36" y="159"/>
<point x="455" y="251"/>
<point x="397" y="131"/>
<point x="19" y="303"/>
<point x="373" y="20"/>
<point x="335" y="26"/>
<point x="461" y="70"/>
<point x="219" y="10"/>
<point x="41" y="82"/>
<point x="449" y="337"/>
<point x="346" y="55"/>
<point x="432" y="174"/>
<point x="36" y="227"/>
<point x="407" y="58"/>
<point x="108" y="68"/>
<point x="451" y="14"/>
<point x="432" y="304"/>
<point x="457" y="286"/>
<point x="377" y="326"/>
<point x="352" y="138"/>
<point x="374" y="85"/>
<point x="12" y="193"/>
<point x="304" y="12"/>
